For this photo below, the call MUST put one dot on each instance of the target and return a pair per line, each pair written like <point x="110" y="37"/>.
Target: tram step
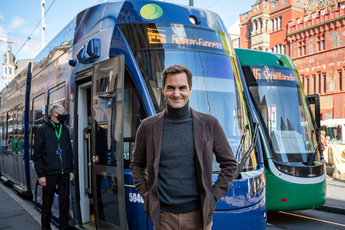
<point x="4" y="179"/>
<point x="20" y="189"/>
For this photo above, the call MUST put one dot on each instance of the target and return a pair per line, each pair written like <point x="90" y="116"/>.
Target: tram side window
<point x="134" y="113"/>
<point x="38" y="117"/>
<point x="56" y="96"/>
<point x="3" y="134"/>
<point x="20" y="128"/>
<point x="10" y="130"/>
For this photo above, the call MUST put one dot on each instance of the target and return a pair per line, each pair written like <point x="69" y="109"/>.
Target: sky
<point x="18" y="18"/>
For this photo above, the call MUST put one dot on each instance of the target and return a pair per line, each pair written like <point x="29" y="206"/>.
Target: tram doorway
<point x="99" y="114"/>
<point x="84" y="150"/>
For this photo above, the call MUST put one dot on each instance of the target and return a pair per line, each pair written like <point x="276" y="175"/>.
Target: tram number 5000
<point x="135" y="198"/>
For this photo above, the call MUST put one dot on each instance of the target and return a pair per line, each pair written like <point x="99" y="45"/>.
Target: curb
<point x="332" y="209"/>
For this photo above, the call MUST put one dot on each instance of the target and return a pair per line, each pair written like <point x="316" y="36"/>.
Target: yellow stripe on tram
<point x="129" y="185"/>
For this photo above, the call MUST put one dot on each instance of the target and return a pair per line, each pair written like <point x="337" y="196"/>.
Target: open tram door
<point x="107" y="144"/>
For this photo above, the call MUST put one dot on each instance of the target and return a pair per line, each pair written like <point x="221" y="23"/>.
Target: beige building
<point x="10" y="67"/>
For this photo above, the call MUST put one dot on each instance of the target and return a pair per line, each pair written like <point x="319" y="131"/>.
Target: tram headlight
<point x="258" y="184"/>
<point x="292" y="171"/>
<point x="298" y="169"/>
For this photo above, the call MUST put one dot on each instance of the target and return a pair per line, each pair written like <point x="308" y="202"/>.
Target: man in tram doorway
<point x="53" y="158"/>
<point x="172" y="159"/>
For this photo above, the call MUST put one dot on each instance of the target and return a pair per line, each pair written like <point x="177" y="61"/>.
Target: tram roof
<point x="248" y="57"/>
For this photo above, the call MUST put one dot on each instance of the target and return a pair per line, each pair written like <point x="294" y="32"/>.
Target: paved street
<point x="16" y="212"/>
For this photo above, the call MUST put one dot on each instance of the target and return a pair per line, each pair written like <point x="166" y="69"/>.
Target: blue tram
<point x="105" y="67"/>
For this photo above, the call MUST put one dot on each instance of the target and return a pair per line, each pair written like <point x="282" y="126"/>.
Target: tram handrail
<point x="246" y="155"/>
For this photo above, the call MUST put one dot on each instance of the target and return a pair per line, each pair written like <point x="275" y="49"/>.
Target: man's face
<point x="60" y="111"/>
<point x="176" y="90"/>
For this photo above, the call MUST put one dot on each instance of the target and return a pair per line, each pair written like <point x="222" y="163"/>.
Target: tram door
<point x="107" y="144"/>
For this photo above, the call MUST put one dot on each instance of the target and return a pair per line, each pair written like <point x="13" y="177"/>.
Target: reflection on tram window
<point x="3" y="132"/>
<point x="133" y="114"/>
<point x="105" y="144"/>
<point x="108" y="201"/>
<point x="287" y="122"/>
<point x="57" y="96"/>
<point x="38" y="116"/>
<point x="10" y="133"/>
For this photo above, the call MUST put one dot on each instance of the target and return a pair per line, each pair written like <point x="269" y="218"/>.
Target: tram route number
<point x="266" y="74"/>
<point x="135" y="198"/>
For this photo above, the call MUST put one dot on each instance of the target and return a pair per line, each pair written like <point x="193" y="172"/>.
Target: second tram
<point x="295" y="171"/>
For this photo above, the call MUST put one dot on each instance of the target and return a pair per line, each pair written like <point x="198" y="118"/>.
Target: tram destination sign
<point x="151" y="35"/>
<point x="270" y="73"/>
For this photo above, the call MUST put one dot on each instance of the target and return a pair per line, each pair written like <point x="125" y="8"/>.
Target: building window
<point x="305" y="18"/>
<point x="307" y="78"/>
<point x="340" y="80"/>
<point x="319" y="82"/>
<point x="302" y="80"/>
<point x="281" y="22"/>
<point x="321" y="42"/>
<point x="10" y="71"/>
<point x="324" y="83"/>
<point x="302" y="48"/>
<point x="314" y="85"/>
<point x="266" y="26"/>
<point x="249" y="32"/>
<point x="5" y="70"/>
<point x="298" y="21"/>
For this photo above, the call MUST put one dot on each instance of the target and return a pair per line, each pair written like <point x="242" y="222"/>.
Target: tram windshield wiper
<point x="239" y="149"/>
<point x="247" y="154"/>
<point x="311" y="160"/>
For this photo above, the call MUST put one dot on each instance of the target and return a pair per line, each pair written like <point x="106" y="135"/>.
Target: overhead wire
<point x="19" y="36"/>
<point x="29" y="37"/>
<point x="213" y="4"/>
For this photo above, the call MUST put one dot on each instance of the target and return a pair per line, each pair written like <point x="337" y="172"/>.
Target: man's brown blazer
<point x="209" y="138"/>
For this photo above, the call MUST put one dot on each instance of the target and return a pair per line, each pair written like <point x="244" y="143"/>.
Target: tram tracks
<point x="293" y="221"/>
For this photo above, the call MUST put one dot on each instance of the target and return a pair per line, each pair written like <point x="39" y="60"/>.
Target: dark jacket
<point x="46" y="143"/>
<point x="209" y="138"/>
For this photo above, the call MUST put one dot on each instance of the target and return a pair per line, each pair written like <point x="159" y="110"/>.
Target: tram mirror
<point x="81" y="54"/>
<point x="94" y="48"/>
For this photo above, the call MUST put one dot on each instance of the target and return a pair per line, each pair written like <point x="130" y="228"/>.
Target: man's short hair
<point x="175" y="69"/>
<point x="55" y="108"/>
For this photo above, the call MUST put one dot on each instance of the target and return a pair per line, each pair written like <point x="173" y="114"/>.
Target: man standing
<point x="53" y="158"/>
<point x="172" y="159"/>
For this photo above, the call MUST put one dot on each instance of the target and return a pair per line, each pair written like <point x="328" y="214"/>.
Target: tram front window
<point x="284" y="110"/>
<point x="214" y="90"/>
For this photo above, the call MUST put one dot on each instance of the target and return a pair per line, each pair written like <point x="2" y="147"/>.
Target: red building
<point x="312" y="33"/>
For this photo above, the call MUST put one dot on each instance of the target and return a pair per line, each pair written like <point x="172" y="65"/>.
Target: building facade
<point x="312" y="33"/>
<point x="264" y="27"/>
<point x="9" y="66"/>
<point x="12" y="68"/>
<point x="317" y="45"/>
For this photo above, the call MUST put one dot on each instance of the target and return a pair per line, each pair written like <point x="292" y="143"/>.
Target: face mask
<point x="61" y="118"/>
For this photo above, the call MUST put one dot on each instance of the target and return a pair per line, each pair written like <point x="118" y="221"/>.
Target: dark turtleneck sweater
<point x="177" y="183"/>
